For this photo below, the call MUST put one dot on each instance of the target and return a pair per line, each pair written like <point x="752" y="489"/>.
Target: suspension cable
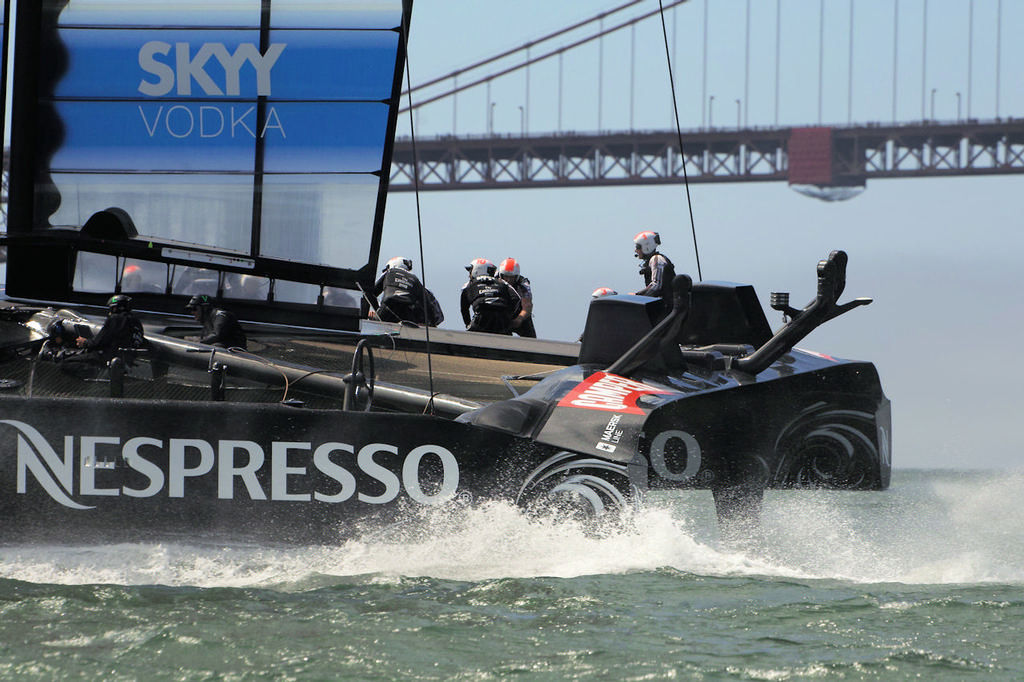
<point x="679" y="135"/>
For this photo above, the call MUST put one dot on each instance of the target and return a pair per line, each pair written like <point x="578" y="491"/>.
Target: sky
<point x="940" y="257"/>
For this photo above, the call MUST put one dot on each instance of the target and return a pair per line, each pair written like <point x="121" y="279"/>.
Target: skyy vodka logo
<point x="175" y="68"/>
<point x="230" y="462"/>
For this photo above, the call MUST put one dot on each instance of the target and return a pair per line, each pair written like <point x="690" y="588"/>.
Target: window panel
<point x="95" y="273"/>
<point x="210" y="210"/>
<point x="319" y="219"/>
<point x="386" y="14"/>
<point x="148" y="13"/>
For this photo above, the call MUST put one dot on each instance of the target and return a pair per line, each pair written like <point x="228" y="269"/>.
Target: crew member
<point x="657" y="270"/>
<point x="60" y="342"/>
<point x="121" y="331"/>
<point x="401" y="296"/>
<point x="492" y="302"/>
<point x="220" y="327"/>
<point x="523" y="322"/>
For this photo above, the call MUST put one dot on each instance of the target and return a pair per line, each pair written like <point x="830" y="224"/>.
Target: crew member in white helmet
<point x="656" y="269"/>
<point x="401" y="296"/>
<point x="488" y="304"/>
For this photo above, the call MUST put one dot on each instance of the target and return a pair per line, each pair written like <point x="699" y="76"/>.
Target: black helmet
<point x="198" y="301"/>
<point x="55" y="330"/>
<point x="119" y="303"/>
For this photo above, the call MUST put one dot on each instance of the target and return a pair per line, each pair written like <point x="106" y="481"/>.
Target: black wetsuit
<point x="222" y="328"/>
<point x="401" y="298"/>
<point x="493" y="304"/>
<point x="525" y="328"/>
<point x="120" y="331"/>
<point x="658" y="273"/>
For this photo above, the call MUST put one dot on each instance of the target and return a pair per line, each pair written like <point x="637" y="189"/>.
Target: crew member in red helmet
<point x="523" y="322"/>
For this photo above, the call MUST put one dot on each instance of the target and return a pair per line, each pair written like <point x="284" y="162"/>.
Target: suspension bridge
<point x="824" y="97"/>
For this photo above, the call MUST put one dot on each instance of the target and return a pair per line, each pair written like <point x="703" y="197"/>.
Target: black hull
<point x="295" y="454"/>
<point x="111" y="470"/>
<point x="128" y="470"/>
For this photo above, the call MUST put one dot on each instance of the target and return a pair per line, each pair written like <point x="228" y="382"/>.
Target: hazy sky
<point x="941" y="257"/>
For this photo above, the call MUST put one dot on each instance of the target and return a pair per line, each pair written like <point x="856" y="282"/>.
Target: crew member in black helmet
<point x="220" y="327"/>
<point x="121" y="331"/>
<point x="402" y="296"/>
<point x="488" y="304"/>
<point x="657" y="270"/>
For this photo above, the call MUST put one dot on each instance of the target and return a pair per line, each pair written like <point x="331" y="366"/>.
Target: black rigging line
<point x="679" y="134"/>
<point x="419" y="220"/>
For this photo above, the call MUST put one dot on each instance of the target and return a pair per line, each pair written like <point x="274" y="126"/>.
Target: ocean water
<point x="925" y="580"/>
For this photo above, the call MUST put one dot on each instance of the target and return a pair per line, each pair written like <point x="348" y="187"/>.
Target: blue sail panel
<point x="299" y="137"/>
<point x="210" y="65"/>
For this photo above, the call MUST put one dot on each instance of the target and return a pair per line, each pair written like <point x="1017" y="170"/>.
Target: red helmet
<point x="603" y="291"/>
<point x="648" y="242"/>
<point x="509" y="269"/>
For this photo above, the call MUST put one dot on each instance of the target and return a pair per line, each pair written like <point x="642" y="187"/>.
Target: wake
<point x="940" y="529"/>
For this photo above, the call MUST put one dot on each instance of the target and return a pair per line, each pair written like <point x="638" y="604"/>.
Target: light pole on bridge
<point x="711" y="109"/>
<point x="933" y="103"/>
<point x="958" y="107"/>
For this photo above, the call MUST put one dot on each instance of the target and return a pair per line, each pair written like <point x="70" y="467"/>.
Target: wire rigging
<point x="404" y="29"/>
<point x="679" y="135"/>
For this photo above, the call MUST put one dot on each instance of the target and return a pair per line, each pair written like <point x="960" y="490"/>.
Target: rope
<point x="419" y="218"/>
<point x="679" y="135"/>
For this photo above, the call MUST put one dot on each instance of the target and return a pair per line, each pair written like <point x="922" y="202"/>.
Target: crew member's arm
<point x="464" y="305"/>
<point x="100" y="338"/>
<point x="217" y="329"/>
<point x="526" y="309"/>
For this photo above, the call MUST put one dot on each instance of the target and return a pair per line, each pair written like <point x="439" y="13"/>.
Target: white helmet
<point x="479" y="267"/>
<point x="604" y="291"/>
<point x="509" y="269"/>
<point x="647" y="242"/>
<point x="400" y="263"/>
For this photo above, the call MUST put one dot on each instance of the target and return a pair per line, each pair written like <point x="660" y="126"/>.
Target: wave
<point x="930" y="528"/>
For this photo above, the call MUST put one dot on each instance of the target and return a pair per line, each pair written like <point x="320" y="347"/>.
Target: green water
<point x="925" y="580"/>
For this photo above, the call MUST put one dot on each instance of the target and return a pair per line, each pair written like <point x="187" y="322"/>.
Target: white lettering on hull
<point x="230" y="462"/>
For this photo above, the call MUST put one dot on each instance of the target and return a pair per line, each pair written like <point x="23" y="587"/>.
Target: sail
<point x="238" y="148"/>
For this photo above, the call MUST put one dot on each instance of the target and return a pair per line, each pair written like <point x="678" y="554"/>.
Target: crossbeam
<point x="926" y="149"/>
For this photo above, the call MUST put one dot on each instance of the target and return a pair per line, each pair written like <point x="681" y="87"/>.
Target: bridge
<point x="903" y="89"/>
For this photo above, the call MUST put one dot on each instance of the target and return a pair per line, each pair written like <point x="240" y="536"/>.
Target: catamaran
<point x="242" y="150"/>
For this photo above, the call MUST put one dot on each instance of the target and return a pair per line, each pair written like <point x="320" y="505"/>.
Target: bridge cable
<point x="679" y="134"/>
<point x="404" y="30"/>
<point x="533" y="60"/>
<point x="538" y="41"/>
